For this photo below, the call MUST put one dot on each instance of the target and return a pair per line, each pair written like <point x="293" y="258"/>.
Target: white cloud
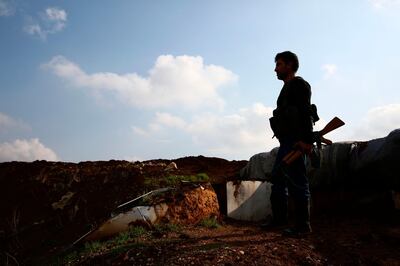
<point x="139" y="131"/>
<point x="173" y="81"/>
<point x="6" y="8"/>
<point x="56" y="14"/>
<point x="133" y="158"/>
<point x="329" y="70"/>
<point x="169" y="120"/>
<point x="379" y="122"/>
<point x="8" y="123"/>
<point x="53" y="20"/>
<point x="385" y="4"/>
<point x="25" y="150"/>
<point x="237" y="135"/>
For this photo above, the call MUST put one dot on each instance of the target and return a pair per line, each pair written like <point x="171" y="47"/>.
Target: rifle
<point x="304" y="148"/>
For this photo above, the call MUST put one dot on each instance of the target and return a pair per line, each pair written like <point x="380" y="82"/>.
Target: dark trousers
<point x="290" y="180"/>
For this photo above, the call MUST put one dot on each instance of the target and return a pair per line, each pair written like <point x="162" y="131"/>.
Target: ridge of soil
<point x="45" y="206"/>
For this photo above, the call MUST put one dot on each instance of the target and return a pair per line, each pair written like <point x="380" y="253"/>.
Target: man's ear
<point x="290" y="65"/>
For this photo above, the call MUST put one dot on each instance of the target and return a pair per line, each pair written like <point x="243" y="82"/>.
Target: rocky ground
<point x="47" y="206"/>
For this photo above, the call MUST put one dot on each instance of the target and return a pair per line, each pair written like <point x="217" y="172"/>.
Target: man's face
<point x="282" y="69"/>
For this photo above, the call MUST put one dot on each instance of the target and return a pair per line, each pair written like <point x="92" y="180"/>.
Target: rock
<point x="64" y="201"/>
<point x="170" y="167"/>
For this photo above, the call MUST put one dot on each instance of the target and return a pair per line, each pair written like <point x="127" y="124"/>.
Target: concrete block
<point x="249" y="200"/>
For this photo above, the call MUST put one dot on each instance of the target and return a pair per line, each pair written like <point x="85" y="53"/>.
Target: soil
<point x="46" y="206"/>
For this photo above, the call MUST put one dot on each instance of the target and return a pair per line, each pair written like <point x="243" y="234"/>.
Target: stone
<point x="170" y="167"/>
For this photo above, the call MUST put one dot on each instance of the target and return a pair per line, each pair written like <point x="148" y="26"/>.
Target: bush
<point x="169" y="227"/>
<point x="175" y="179"/>
<point x="210" y="222"/>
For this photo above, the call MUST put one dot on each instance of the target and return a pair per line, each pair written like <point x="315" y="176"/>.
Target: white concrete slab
<point x="249" y="200"/>
<point x="121" y="222"/>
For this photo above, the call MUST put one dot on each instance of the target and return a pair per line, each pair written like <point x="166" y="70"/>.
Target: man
<point x="291" y="123"/>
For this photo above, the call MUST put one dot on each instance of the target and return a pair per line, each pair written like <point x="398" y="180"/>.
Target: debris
<point x="170" y="167"/>
<point x="65" y="200"/>
<point x="184" y="205"/>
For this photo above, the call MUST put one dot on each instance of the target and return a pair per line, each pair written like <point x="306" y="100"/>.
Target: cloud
<point x="385" y="4"/>
<point x="6" y="8"/>
<point x="9" y="123"/>
<point x="379" y="122"/>
<point x="173" y="81"/>
<point x="51" y="21"/>
<point x="56" y="14"/>
<point x="329" y="70"/>
<point x="237" y="135"/>
<point x="26" y="150"/>
<point x="133" y="158"/>
<point x="169" y="120"/>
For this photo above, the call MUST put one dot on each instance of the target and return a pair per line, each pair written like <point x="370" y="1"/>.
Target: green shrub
<point x="175" y="179"/>
<point x="209" y="223"/>
<point x="168" y="227"/>
<point x="93" y="247"/>
<point x="128" y="236"/>
<point x="121" y="239"/>
<point x="137" y="231"/>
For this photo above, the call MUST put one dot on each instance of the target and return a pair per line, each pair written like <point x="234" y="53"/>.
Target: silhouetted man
<point x="291" y="123"/>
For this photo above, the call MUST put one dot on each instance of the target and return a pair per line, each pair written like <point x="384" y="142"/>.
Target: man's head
<point x="286" y="65"/>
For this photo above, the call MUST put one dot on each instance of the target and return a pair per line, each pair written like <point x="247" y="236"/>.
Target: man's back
<point x="293" y="108"/>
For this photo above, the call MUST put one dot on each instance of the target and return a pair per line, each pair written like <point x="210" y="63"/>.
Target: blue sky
<point x="140" y="80"/>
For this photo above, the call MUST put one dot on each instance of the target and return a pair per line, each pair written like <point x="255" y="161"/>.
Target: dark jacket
<point x="293" y="111"/>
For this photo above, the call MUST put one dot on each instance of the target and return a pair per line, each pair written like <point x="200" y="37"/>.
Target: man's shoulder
<point x="299" y="81"/>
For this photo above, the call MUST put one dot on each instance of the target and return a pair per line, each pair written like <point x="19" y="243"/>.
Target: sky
<point x="140" y="80"/>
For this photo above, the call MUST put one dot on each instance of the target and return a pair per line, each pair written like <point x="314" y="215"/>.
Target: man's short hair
<point x="288" y="57"/>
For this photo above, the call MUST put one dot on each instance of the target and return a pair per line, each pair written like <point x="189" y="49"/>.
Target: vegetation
<point x="175" y="179"/>
<point x="210" y="222"/>
<point x="94" y="248"/>
<point x="168" y="227"/>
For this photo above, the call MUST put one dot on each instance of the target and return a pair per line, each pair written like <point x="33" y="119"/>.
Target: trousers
<point x="290" y="180"/>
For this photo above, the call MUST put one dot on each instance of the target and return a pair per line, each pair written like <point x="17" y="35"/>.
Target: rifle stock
<point x="332" y="125"/>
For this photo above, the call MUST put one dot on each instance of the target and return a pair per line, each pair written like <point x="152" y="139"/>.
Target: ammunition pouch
<point x="285" y="122"/>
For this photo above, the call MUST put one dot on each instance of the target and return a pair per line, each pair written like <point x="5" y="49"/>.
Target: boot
<point x="303" y="226"/>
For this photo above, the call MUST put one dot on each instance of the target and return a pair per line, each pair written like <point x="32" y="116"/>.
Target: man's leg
<point x="279" y="193"/>
<point x="300" y="191"/>
<point x="279" y="204"/>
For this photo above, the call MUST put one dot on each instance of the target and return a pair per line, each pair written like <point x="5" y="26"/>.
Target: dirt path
<point x="348" y="240"/>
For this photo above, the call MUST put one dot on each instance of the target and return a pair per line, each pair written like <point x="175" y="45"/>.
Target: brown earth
<point x="46" y="206"/>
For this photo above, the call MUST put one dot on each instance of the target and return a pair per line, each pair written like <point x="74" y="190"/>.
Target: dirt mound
<point x="193" y="205"/>
<point x="45" y="206"/>
<point x="50" y="204"/>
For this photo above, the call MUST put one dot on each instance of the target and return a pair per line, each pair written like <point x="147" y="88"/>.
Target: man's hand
<point x="300" y="148"/>
<point x="305" y="148"/>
